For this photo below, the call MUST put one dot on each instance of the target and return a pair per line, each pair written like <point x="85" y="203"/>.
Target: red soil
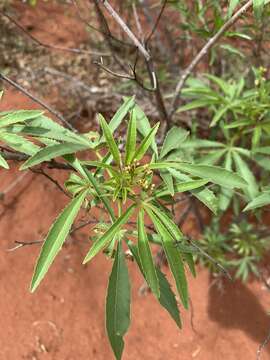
<point x="64" y="319"/>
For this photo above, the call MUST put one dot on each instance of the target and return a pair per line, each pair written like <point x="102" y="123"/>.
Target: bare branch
<point x="105" y="68"/>
<point x="157" y="21"/>
<point x="50" y="46"/>
<point x="262" y="346"/>
<point x="21" y="244"/>
<point x="55" y="182"/>
<point x="137" y="21"/>
<point x="126" y="29"/>
<point x="96" y="29"/>
<point x="186" y="73"/>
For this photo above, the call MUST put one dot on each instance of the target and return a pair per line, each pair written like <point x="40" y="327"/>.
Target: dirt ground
<point x="64" y="319"/>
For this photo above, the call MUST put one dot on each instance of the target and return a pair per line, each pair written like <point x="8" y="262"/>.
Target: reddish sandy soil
<point x="64" y="319"/>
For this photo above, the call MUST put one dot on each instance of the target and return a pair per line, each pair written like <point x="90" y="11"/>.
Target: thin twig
<point x="200" y="250"/>
<point x="156" y="22"/>
<point x="109" y="71"/>
<point x="13" y="184"/>
<point x="107" y="34"/>
<point x="21" y="244"/>
<point x="37" y="100"/>
<point x="78" y="10"/>
<point x="72" y="79"/>
<point x="50" y="46"/>
<point x="126" y="29"/>
<point x="137" y="21"/>
<point x="55" y="182"/>
<point x="262" y="346"/>
<point x="210" y="43"/>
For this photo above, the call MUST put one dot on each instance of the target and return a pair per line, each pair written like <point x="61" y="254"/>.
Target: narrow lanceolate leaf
<point x="3" y="163"/>
<point x="110" y="140"/>
<point x="131" y="138"/>
<point x="226" y="194"/>
<point x="50" y="152"/>
<point x="44" y="127"/>
<point x="145" y="143"/>
<point x="211" y="158"/>
<point x="174" y="139"/>
<point x="56" y="238"/>
<point x="176" y="234"/>
<point x="232" y="5"/>
<point x="206" y="196"/>
<point x="181" y="186"/>
<point x="75" y="163"/>
<point x="118" y="303"/>
<point x="243" y="170"/>
<point x="173" y="257"/>
<point x="144" y="127"/>
<point x="260" y="201"/>
<point x="146" y="256"/>
<point x="18" y="143"/>
<point x="258" y="7"/>
<point x="167" y="296"/>
<point x="118" y="117"/>
<point x="109" y="234"/>
<point x="168" y="181"/>
<point x="14" y="117"/>
<point x="215" y="174"/>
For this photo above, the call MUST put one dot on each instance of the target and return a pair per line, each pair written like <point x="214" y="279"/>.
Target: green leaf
<point x="131" y="138"/>
<point x="265" y="150"/>
<point x="3" y="163"/>
<point x="118" y="303"/>
<point x="118" y="117"/>
<point x="18" y="143"/>
<point x="75" y="163"/>
<point x="50" y="152"/>
<point x="56" y="238"/>
<point x="44" y="127"/>
<point x="173" y="257"/>
<point x="196" y="104"/>
<point x="144" y="127"/>
<point x="211" y="158"/>
<point x="176" y="234"/>
<point x="226" y="194"/>
<point x="206" y="196"/>
<point x="101" y="164"/>
<point x="167" y="297"/>
<point x="110" y="140"/>
<point x="215" y="174"/>
<point x="262" y="200"/>
<point x="243" y="170"/>
<point x="180" y="186"/>
<point x="168" y="180"/>
<point x="201" y="143"/>
<point x="258" y="8"/>
<point x="109" y="234"/>
<point x="139" y="153"/>
<point x="232" y="50"/>
<point x="14" y="117"/>
<point x="173" y="140"/>
<point x="219" y="114"/>
<point x="232" y="5"/>
<point x="146" y="256"/>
